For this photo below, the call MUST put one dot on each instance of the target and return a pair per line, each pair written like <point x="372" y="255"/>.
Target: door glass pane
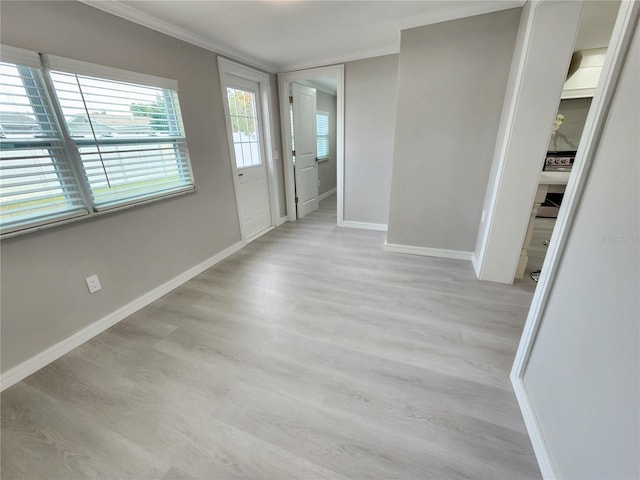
<point x="244" y="126"/>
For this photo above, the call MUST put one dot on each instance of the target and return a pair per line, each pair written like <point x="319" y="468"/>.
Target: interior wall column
<point x="541" y="60"/>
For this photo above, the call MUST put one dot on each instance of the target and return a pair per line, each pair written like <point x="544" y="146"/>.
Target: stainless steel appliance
<point x="559" y="161"/>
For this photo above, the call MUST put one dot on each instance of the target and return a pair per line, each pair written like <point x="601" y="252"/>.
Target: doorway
<point x="526" y="124"/>
<point x="246" y="94"/>
<point x="590" y="49"/>
<point x="312" y="116"/>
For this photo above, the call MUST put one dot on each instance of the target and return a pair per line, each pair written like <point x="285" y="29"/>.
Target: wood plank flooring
<point x="309" y="354"/>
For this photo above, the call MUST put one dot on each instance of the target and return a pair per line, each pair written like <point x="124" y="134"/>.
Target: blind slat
<point x="322" y="134"/>
<point x="38" y="184"/>
<point x="132" y="142"/>
<point x="133" y="194"/>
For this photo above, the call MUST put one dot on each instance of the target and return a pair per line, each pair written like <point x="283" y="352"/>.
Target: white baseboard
<point x="326" y="194"/>
<point x="428" y="252"/>
<point x="259" y="234"/>
<point x="547" y="469"/>
<point x="380" y="227"/>
<point x="476" y="264"/>
<point x="283" y="220"/>
<point x="35" y="363"/>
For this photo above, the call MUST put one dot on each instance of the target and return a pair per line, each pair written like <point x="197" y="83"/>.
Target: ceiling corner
<point x="119" y="9"/>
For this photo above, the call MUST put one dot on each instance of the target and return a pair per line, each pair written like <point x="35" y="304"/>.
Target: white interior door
<point x="245" y="127"/>
<point x="305" y="159"/>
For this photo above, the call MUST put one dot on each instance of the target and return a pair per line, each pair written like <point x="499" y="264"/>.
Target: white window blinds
<point x="322" y="130"/>
<point x="130" y="138"/>
<point x="37" y="181"/>
<point x="75" y="144"/>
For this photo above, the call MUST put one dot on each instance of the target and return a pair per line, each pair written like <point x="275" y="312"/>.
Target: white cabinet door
<point x="305" y="161"/>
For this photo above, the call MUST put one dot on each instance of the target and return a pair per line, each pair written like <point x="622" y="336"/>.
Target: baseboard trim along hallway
<point x="379" y="227"/>
<point x="543" y="456"/>
<point x="327" y="194"/>
<point x="35" y="363"/>
<point x="428" y="252"/>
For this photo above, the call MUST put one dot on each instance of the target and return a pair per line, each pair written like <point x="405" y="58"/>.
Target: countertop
<point x="554" y="178"/>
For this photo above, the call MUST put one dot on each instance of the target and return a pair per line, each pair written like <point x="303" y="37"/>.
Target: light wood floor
<point x="309" y="354"/>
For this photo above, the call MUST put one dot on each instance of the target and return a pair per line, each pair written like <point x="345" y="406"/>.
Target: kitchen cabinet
<point x="549" y="182"/>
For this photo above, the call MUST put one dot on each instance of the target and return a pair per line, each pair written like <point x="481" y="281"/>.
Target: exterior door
<point x="305" y="158"/>
<point x="245" y="127"/>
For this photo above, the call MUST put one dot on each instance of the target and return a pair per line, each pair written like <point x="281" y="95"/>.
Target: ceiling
<point x="325" y="84"/>
<point x="596" y="24"/>
<point x="280" y="36"/>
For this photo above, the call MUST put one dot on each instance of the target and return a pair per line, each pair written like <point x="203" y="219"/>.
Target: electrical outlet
<point x="93" y="283"/>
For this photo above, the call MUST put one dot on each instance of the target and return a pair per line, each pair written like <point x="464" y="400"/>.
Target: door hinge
<point x="293" y="152"/>
<point x="296" y="199"/>
<point x="290" y="99"/>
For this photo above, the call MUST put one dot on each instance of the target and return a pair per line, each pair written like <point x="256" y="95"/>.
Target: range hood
<point x="584" y="73"/>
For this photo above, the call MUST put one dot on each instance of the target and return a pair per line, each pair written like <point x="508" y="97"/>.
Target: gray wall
<point x="451" y="85"/>
<point x="583" y="375"/>
<point x="44" y="297"/>
<point x="327" y="170"/>
<point x="370" y="107"/>
<point x="276" y="140"/>
<point x="567" y="137"/>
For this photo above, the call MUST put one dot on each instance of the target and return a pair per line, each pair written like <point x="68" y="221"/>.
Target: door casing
<point x="284" y="79"/>
<point x="225" y="68"/>
<point x="628" y="17"/>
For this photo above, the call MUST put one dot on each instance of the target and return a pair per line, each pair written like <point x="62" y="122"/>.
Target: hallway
<point x="311" y="353"/>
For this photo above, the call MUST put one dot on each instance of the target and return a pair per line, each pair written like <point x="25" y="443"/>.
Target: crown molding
<point x="335" y="60"/>
<point x="119" y="9"/>
<point x="476" y="8"/>
<point x="469" y="10"/>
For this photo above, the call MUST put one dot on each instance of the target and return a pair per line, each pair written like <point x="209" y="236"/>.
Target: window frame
<point x="90" y="208"/>
<point x="328" y="115"/>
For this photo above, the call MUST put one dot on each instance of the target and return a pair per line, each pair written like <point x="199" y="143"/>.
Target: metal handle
<point x="240" y="174"/>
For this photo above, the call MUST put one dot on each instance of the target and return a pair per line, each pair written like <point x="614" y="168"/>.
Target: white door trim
<point x="337" y="72"/>
<point x="596" y="119"/>
<point x="228" y="67"/>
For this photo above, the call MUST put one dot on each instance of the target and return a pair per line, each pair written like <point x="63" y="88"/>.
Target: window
<point x="89" y="145"/>
<point x="322" y="129"/>
<point x="129" y="137"/>
<point x="37" y="179"/>
<point x="244" y="121"/>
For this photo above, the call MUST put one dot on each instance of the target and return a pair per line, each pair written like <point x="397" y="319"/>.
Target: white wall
<point x="370" y="107"/>
<point x="451" y="84"/>
<point x="327" y="169"/>
<point x="583" y="376"/>
<point x="44" y="297"/>
<point x="538" y="72"/>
